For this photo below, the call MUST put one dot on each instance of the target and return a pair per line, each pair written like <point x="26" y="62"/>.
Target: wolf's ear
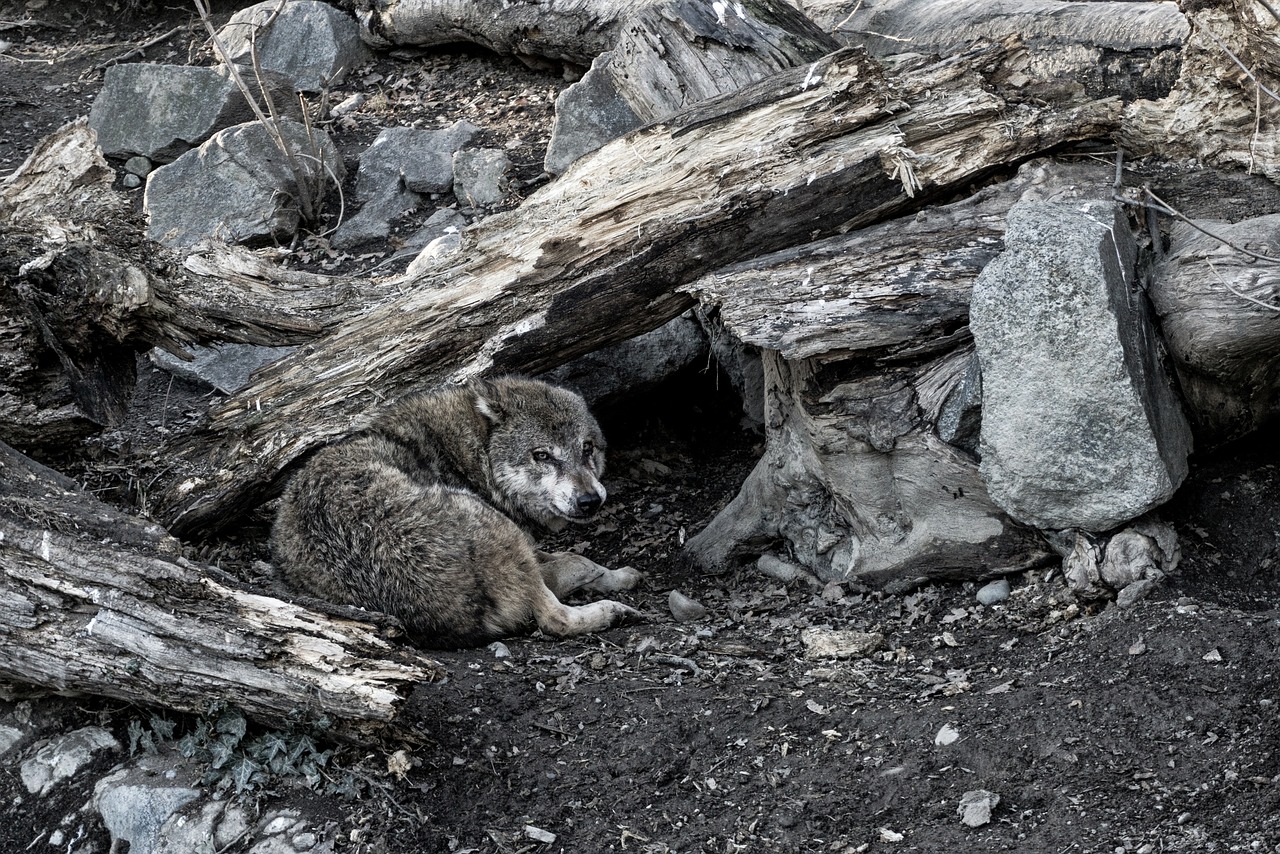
<point x="487" y="403"/>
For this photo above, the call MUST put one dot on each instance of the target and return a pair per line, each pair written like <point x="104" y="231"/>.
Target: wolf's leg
<point x="565" y="573"/>
<point x="561" y="620"/>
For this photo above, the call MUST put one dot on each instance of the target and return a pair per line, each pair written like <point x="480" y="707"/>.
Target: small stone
<point x="138" y="165"/>
<point x="684" y="609"/>
<point x="890" y="836"/>
<point x="994" y="592"/>
<point x="946" y="736"/>
<point x="131" y="181"/>
<point x="976" y="806"/>
<point x="499" y="649"/>
<point x="537" y="834"/>
<point x="1135" y="592"/>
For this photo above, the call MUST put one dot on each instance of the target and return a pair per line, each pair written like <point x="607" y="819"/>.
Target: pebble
<point x="131" y="181"/>
<point x="684" y="609"/>
<point x="976" y="806"/>
<point x="499" y="649"/>
<point x="994" y="592"/>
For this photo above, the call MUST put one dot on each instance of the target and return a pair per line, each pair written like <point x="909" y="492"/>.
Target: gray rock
<point x="635" y="364"/>
<point x="63" y="756"/>
<point x="421" y="159"/>
<point x="225" y="367"/>
<point x="238" y="187"/>
<point x="194" y="825"/>
<point x="960" y="419"/>
<point x="1080" y="425"/>
<point x="480" y="176"/>
<point x="131" y="181"/>
<point x="588" y="114"/>
<point x="138" y="166"/>
<point x="163" y="111"/>
<point x="136" y="802"/>
<point x="976" y="806"/>
<point x="373" y="221"/>
<point x="311" y="43"/>
<point x="994" y="592"/>
<point x="684" y="609"/>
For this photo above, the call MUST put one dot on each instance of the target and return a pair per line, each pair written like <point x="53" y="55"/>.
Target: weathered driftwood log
<point x="868" y="360"/>
<point x="1128" y="49"/>
<point x="1219" y="308"/>
<point x="95" y="601"/>
<point x="594" y="257"/>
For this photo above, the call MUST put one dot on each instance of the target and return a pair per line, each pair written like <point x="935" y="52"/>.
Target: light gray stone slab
<point x="1081" y="427"/>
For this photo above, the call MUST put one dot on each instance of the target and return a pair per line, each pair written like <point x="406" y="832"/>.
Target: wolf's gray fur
<point x="420" y="515"/>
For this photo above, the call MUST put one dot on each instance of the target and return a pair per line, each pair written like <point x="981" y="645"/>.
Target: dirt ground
<point x="1153" y="730"/>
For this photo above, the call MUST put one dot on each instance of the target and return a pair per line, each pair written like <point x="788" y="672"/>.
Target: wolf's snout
<point x="589" y="503"/>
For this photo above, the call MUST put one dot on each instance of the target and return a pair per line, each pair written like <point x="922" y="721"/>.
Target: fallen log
<point x="1216" y="294"/>
<point x="595" y="257"/>
<point x="96" y="601"/>
<point x="1102" y="47"/>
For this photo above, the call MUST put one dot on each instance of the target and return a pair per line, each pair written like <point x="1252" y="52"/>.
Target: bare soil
<point x="1100" y="730"/>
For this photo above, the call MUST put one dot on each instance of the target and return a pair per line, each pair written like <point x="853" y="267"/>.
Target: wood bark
<point x="1223" y="111"/>
<point x="97" y="601"/>
<point x="595" y="257"/>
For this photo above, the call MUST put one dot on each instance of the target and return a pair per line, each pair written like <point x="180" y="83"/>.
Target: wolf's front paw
<point x="622" y="578"/>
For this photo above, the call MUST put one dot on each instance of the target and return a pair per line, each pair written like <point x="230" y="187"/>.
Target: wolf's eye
<point x="541" y="456"/>
<point x="588" y="448"/>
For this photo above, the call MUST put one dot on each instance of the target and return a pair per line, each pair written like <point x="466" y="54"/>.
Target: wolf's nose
<point x="589" y="503"/>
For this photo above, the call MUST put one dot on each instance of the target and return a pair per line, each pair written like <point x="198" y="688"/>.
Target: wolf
<point x="425" y="515"/>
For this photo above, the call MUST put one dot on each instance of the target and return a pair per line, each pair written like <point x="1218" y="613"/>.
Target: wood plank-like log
<point x="96" y="601"/>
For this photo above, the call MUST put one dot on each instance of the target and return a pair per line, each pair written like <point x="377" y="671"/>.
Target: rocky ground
<point x="1098" y="730"/>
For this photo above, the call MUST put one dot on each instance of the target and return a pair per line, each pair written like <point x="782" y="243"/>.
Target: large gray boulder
<point x="238" y="186"/>
<point x="136" y="802"/>
<point x="311" y="43"/>
<point x="1081" y="427"/>
<point x="163" y="111"/>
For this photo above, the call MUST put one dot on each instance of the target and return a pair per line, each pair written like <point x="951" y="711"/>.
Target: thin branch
<point x="140" y="49"/>
<point x="1164" y="207"/>
<point x="1243" y="296"/>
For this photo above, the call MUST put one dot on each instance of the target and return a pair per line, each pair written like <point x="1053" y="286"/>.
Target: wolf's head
<point x="546" y="451"/>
